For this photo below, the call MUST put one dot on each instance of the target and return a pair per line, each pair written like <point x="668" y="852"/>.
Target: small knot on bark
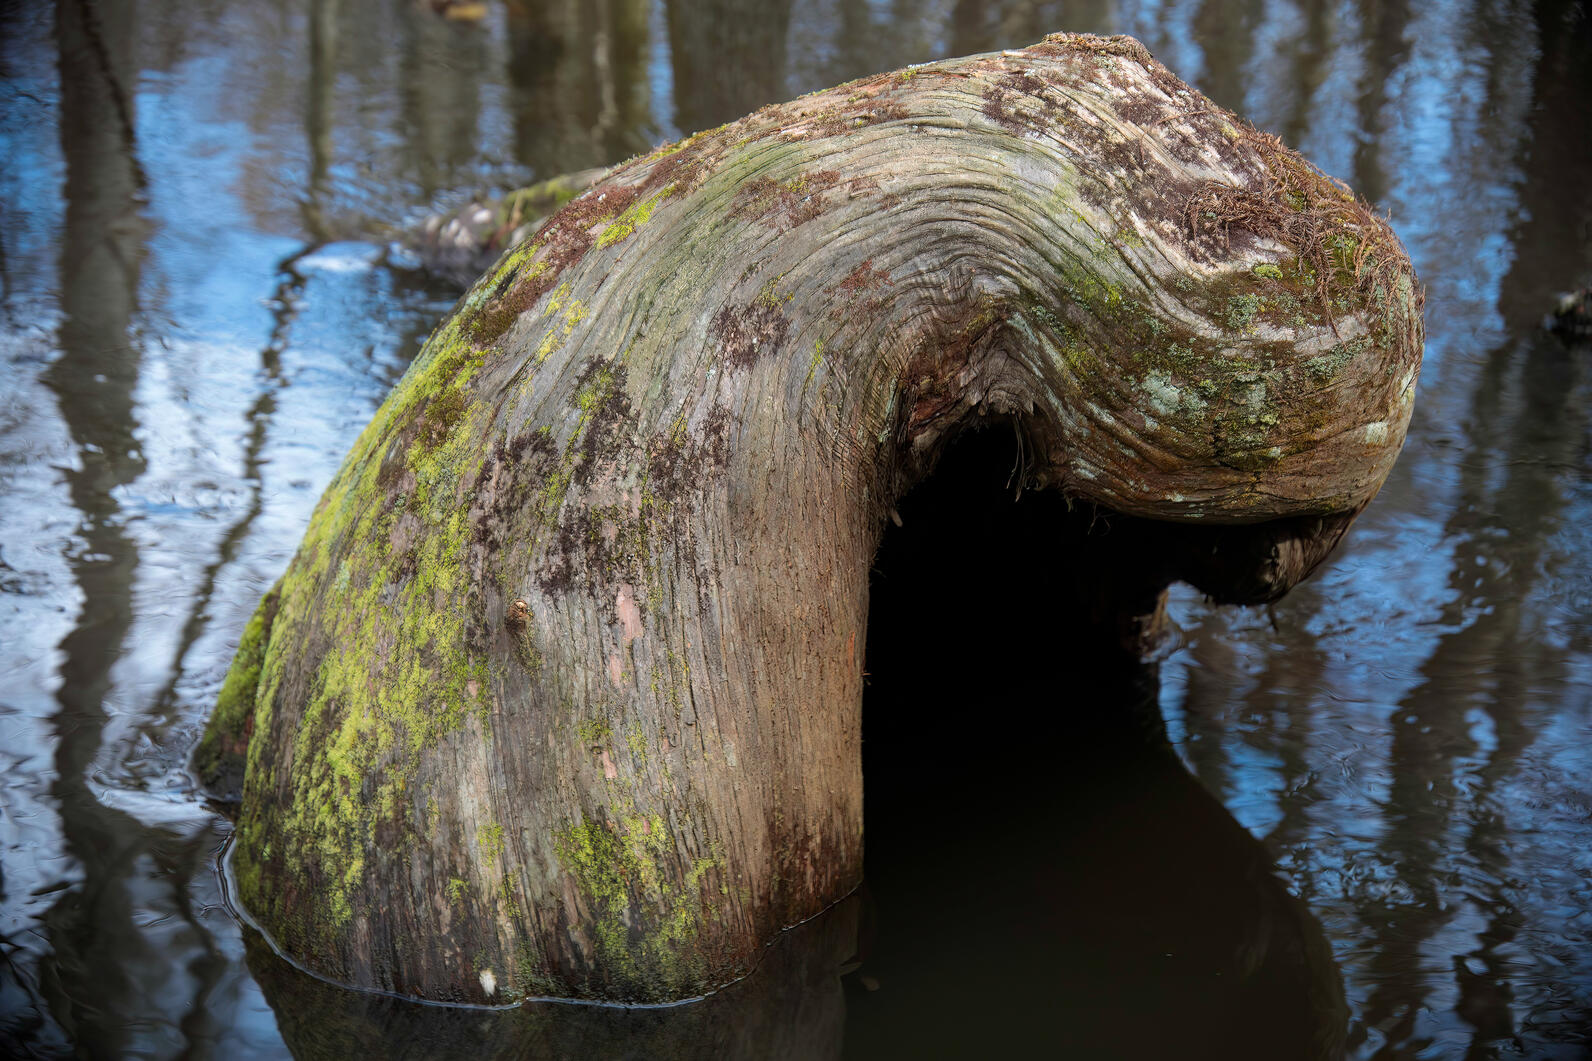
<point x="519" y="615"/>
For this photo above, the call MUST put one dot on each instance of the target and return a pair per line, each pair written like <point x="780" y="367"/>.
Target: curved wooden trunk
<point x="561" y="694"/>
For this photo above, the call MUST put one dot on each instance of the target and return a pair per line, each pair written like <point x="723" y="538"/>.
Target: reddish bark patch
<point x="556" y="576"/>
<point x="1143" y="111"/>
<point x="502" y="487"/>
<point x="1009" y="103"/>
<point x="933" y="378"/>
<point x="1060" y="44"/>
<point x="1026" y="83"/>
<point x="864" y="278"/>
<point x="861" y="283"/>
<point x="1083" y="48"/>
<point x="685" y="166"/>
<point x="1026" y="101"/>
<point x="999" y="108"/>
<point x="562" y="241"/>
<point x="748" y="333"/>
<point x="783" y="206"/>
<point x="500" y="499"/>
<point x="679" y="464"/>
<point x="519" y="290"/>
<point x="685" y="169"/>
<point x="594" y="546"/>
<point x="865" y="183"/>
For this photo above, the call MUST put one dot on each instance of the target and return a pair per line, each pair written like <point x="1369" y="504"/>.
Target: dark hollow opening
<point x="1042" y="872"/>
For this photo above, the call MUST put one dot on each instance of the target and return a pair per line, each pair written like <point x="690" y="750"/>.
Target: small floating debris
<point x="1572" y="315"/>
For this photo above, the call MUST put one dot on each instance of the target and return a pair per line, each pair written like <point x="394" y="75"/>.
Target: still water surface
<point x="1361" y="824"/>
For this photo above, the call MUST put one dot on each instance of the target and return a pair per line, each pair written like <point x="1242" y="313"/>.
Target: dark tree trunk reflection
<point x="729" y="58"/>
<point x="578" y="73"/>
<point x="94" y="380"/>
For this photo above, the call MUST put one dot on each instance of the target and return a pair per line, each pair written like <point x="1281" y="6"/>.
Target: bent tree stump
<point x="561" y="694"/>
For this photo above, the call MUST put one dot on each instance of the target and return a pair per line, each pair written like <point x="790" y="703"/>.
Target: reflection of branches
<point x="1217" y="670"/>
<point x="1308" y="63"/>
<point x="729" y="58"/>
<point x="1226" y="29"/>
<point x="1501" y="538"/>
<point x="1557" y="227"/>
<point x="1526" y="428"/>
<point x="284" y="303"/>
<point x="5" y="273"/>
<point x="209" y="967"/>
<point x="1280" y="698"/>
<point x="284" y="309"/>
<point x="603" y="69"/>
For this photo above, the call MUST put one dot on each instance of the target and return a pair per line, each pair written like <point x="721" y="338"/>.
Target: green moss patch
<point x="383" y="581"/>
<point x="644" y="922"/>
<point x="220" y="757"/>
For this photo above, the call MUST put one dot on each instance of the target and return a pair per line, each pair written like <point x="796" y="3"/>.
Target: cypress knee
<point x="560" y="695"/>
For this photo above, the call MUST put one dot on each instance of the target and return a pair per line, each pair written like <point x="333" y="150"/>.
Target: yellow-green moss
<point x="221" y="750"/>
<point x="812" y="366"/>
<point x="397" y="674"/>
<point x="643" y="924"/>
<point x="633" y="217"/>
<point x="558" y="332"/>
<point x="594" y="732"/>
<point x="637" y="741"/>
<point x="490" y="839"/>
<point x="507" y="890"/>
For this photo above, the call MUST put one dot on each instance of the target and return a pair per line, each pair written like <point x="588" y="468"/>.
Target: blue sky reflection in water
<point x="197" y="316"/>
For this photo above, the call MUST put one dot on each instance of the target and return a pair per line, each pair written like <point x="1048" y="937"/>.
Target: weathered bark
<point x="560" y="695"/>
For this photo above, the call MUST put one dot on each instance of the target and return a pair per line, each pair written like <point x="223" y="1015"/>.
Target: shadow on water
<point x="1046" y="871"/>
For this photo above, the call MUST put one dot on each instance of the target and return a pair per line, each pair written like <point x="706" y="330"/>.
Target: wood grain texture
<point x="561" y="694"/>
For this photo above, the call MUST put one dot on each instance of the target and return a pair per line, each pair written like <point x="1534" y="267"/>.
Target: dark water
<point x="1361" y="823"/>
